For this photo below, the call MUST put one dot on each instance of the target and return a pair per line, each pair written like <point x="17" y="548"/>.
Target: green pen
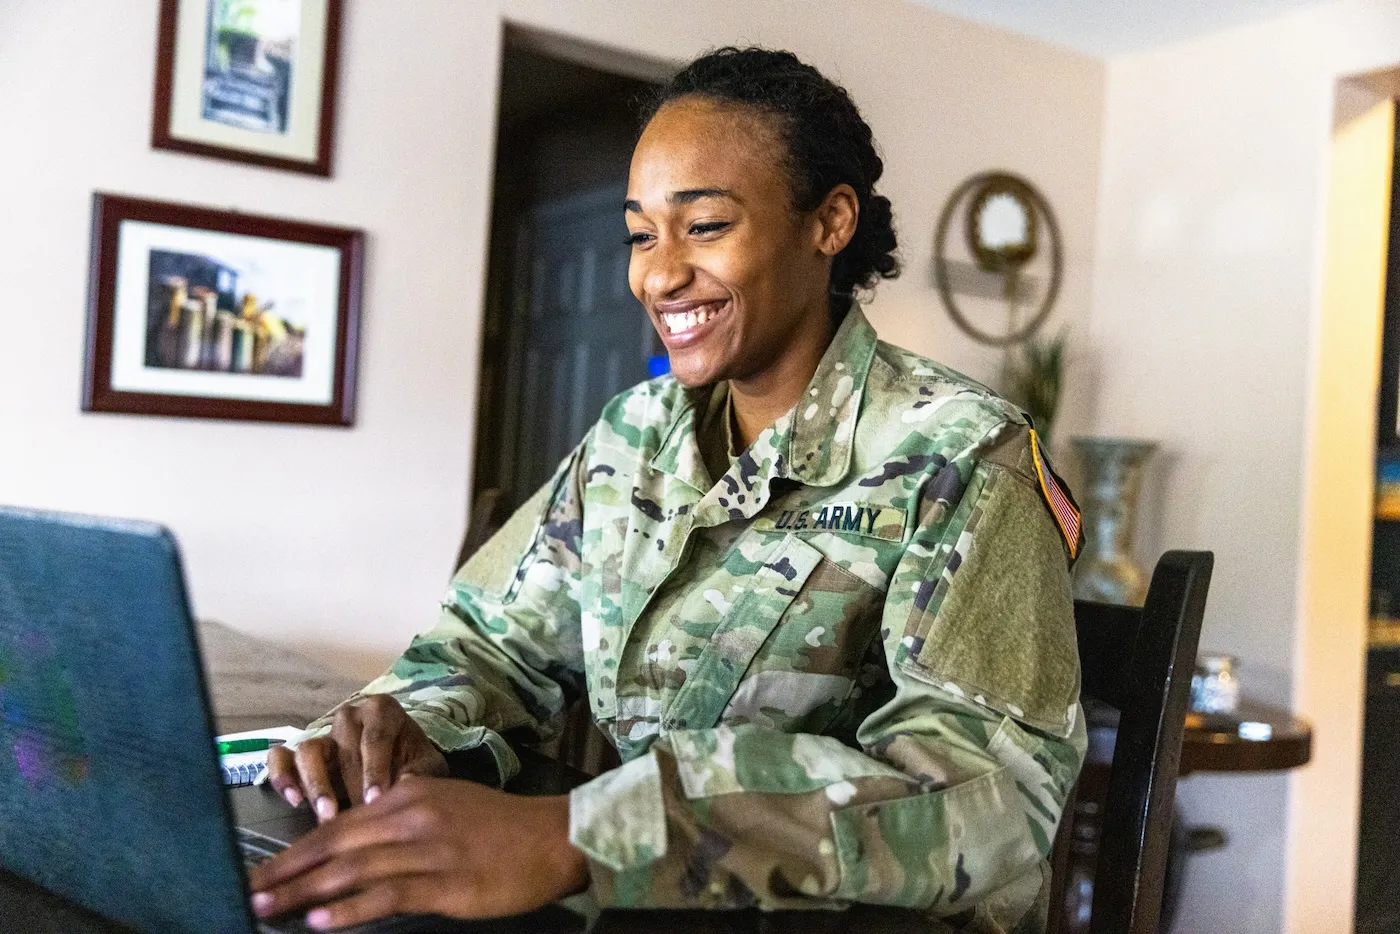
<point x="248" y="745"/>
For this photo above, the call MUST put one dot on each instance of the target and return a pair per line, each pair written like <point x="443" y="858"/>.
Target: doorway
<point x="1339" y="509"/>
<point x="562" y="333"/>
<point x="1378" y="838"/>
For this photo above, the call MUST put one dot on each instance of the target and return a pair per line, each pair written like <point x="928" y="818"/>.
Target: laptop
<point x="110" y="790"/>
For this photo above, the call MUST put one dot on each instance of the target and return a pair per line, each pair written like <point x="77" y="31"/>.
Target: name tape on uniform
<point x="883" y="522"/>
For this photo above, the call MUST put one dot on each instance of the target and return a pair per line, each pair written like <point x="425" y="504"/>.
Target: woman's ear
<point x="836" y="219"/>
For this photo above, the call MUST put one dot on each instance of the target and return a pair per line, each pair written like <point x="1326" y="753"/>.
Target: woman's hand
<point x="371" y="746"/>
<point x="428" y="845"/>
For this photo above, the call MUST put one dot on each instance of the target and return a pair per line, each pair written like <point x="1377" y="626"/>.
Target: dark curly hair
<point x="827" y="142"/>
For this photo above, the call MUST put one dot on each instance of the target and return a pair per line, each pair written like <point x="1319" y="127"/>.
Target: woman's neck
<point x="763" y="399"/>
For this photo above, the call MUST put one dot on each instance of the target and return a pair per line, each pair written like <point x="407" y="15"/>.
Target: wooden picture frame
<point x="252" y="81"/>
<point x="204" y="313"/>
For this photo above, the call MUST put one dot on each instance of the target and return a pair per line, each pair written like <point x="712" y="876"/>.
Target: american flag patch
<point x="1057" y="496"/>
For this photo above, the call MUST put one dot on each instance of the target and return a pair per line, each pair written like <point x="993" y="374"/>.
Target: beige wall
<point x="1206" y="333"/>
<point x="340" y="540"/>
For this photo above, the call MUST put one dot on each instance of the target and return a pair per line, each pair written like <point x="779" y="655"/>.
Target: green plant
<point x="1036" y="378"/>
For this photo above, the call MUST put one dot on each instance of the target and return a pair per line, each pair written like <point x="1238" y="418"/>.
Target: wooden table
<point x="1257" y="739"/>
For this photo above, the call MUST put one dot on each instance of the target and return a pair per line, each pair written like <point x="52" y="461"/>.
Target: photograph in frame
<point x="218" y="314"/>
<point x="248" y="80"/>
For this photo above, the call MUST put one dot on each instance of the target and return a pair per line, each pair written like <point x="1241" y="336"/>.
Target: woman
<point x="809" y="583"/>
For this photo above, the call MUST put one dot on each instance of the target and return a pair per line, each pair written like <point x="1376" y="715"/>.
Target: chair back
<point x="1139" y="661"/>
<point x="490" y="510"/>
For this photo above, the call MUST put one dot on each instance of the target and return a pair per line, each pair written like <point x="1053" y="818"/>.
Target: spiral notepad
<point x="242" y="773"/>
<point x="243" y="768"/>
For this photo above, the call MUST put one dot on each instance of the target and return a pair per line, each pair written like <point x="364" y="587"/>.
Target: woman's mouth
<point x="684" y="326"/>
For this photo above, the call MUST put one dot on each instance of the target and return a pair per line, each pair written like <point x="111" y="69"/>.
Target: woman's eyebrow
<point x="691" y="195"/>
<point x="685" y="196"/>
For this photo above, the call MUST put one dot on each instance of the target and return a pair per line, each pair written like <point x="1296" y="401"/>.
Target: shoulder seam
<point x="941" y="373"/>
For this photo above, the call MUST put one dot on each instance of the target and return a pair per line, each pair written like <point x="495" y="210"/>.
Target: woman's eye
<point x="707" y="227"/>
<point x="638" y="238"/>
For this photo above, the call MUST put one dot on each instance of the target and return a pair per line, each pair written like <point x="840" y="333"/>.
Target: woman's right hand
<point x="372" y="744"/>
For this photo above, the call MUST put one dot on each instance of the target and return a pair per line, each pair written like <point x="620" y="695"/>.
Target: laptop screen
<point x="109" y="786"/>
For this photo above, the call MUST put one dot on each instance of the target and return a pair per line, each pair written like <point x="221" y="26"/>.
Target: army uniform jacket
<point x="843" y="671"/>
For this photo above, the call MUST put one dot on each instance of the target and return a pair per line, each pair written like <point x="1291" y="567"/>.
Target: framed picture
<point x="215" y="314"/>
<point x="248" y="80"/>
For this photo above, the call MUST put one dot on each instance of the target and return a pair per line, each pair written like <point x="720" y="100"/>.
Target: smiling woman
<point x="753" y="221"/>
<point x="809" y="585"/>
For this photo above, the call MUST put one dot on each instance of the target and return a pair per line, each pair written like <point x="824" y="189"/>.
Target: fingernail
<point x="371" y="794"/>
<point x="262" y="901"/>
<point x="319" y="918"/>
<point x="293" y="797"/>
<point x="325" y="807"/>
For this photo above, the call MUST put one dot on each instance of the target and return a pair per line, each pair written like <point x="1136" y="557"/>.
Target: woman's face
<point x="733" y="278"/>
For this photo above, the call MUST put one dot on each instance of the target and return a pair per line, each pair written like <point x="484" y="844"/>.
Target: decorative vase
<point x="1106" y="570"/>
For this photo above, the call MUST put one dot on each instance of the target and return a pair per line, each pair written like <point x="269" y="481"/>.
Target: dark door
<point x="578" y="337"/>
<point x="1378" y="862"/>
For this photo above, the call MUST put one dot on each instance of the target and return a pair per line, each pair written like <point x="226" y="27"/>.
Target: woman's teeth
<point x="685" y="320"/>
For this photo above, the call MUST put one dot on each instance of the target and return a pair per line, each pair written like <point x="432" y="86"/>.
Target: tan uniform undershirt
<point x="717" y="434"/>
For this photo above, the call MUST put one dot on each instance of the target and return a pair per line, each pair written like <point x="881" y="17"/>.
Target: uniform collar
<point x="813" y="442"/>
<point x="822" y="426"/>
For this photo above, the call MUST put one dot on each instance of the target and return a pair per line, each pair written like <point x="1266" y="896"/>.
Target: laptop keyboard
<point x="258" y="847"/>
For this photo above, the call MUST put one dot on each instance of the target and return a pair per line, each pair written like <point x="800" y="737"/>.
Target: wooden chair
<point x="490" y="510"/>
<point x="1138" y="661"/>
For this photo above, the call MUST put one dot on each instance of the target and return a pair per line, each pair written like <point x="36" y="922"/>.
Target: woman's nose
<point x="667" y="268"/>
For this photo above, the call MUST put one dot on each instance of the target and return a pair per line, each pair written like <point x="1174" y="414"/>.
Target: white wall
<point x="1206" y="287"/>
<point x="339" y="540"/>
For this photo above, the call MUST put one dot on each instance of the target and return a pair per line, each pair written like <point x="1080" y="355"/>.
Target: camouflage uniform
<point x="846" y="671"/>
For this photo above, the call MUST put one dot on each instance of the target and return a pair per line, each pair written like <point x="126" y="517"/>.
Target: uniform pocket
<point x="802" y="675"/>
<point x="999" y="627"/>
<point x="721" y="667"/>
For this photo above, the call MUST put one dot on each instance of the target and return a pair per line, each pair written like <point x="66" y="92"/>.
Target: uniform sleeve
<point x="506" y="651"/>
<point x="954" y="795"/>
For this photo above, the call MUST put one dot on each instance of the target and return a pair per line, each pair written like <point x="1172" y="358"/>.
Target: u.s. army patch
<point x="866" y="519"/>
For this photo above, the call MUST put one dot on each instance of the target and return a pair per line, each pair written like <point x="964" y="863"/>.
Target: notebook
<point x="243" y="768"/>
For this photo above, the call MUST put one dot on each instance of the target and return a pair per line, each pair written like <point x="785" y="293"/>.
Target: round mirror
<point x="1006" y="222"/>
<point x="1001" y="224"/>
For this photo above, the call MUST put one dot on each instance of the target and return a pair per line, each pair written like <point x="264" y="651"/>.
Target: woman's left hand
<point x="428" y="845"/>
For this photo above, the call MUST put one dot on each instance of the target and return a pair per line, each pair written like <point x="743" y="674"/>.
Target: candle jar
<point x="1215" y="687"/>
